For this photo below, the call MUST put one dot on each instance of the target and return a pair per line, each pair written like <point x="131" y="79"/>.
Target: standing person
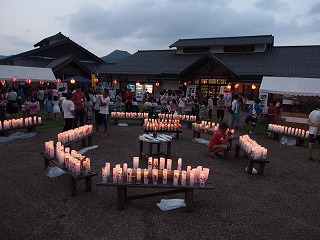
<point x="314" y="125"/>
<point x="182" y="104"/>
<point x="128" y="100"/>
<point x="41" y="98"/>
<point x="79" y="100"/>
<point x="272" y="113"/>
<point x="3" y="103"/>
<point x="210" y="107"/>
<point x="33" y="107"/>
<point x="235" y="116"/>
<point x="173" y="106"/>
<point x="89" y="97"/>
<point x="254" y="110"/>
<point x="221" y="105"/>
<point x="118" y="100"/>
<point x="68" y="112"/>
<point x="56" y="107"/>
<point x="96" y="107"/>
<point x="12" y="104"/>
<point x="48" y="106"/>
<point x="104" y="112"/>
<point x="219" y="142"/>
<point x="189" y="105"/>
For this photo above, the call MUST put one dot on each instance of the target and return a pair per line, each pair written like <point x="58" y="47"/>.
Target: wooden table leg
<point x="88" y="184"/>
<point x="115" y="121"/>
<point x="83" y="142"/>
<point x="46" y="162"/>
<point x="158" y="147"/>
<point x="121" y="191"/>
<point x="141" y="149"/>
<point x="177" y="135"/>
<point x="150" y="149"/>
<point x="89" y="140"/>
<point x="189" y="200"/>
<point x="250" y="166"/>
<point x="261" y="168"/>
<point x="73" y="186"/>
<point x="169" y="150"/>
<point x="237" y="151"/>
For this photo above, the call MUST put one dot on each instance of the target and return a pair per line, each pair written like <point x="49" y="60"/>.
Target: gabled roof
<point x="224" y="41"/>
<point x="157" y="62"/>
<point x="51" y="51"/>
<point x="50" y="40"/>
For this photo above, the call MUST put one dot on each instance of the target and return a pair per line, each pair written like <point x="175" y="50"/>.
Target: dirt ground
<point x="281" y="204"/>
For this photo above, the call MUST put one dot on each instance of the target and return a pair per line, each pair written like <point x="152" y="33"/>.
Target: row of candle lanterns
<point x="75" y="134"/>
<point x="20" y="122"/>
<point x="253" y="148"/>
<point x="73" y="161"/>
<point x="177" y="116"/>
<point x="162" y="124"/>
<point x="205" y="126"/>
<point x="288" y="130"/>
<point x="129" y="115"/>
<point x="155" y="173"/>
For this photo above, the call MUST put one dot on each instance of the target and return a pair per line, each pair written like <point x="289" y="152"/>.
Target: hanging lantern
<point x="96" y="80"/>
<point x="3" y="82"/>
<point x="253" y="86"/>
<point x="236" y="86"/>
<point x="157" y="84"/>
<point x="185" y="83"/>
<point x="28" y="81"/>
<point x="115" y="81"/>
<point x="138" y="83"/>
<point x="204" y="81"/>
<point x="229" y="86"/>
<point x="58" y="80"/>
<point x="72" y="81"/>
<point x="14" y="79"/>
<point x="41" y="82"/>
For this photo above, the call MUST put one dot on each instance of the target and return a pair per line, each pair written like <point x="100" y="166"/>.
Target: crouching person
<point x="219" y="142"/>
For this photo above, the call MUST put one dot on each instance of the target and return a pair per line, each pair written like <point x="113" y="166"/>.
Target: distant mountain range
<point x="116" y="56"/>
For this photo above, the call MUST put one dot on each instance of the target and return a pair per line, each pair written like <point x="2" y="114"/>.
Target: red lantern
<point x="96" y="80"/>
<point x="28" y="81"/>
<point x="115" y="81"/>
<point x="14" y="79"/>
<point x="58" y="80"/>
<point x="41" y="82"/>
<point x="157" y="84"/>
<point x="185" y="83"/>
<point x="236" y="86"/>
<point x="3" y="81"/>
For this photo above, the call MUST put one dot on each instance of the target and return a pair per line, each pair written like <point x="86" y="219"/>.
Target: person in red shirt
<point x="128" y="96"/>
<point x="272" y="113"/>
<point x="219" y="141"/>
<point x="79" y="101"/>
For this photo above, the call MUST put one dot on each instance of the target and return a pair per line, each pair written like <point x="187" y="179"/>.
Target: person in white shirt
<point x="210" y="107"/>
<point x="235" y="116"/>
<point x="68" y="112"/>
<point x="104" y="112"/>
<point x="314" y="125"/>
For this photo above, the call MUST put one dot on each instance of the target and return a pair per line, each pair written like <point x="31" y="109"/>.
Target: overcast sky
<point x="106" y="25"/>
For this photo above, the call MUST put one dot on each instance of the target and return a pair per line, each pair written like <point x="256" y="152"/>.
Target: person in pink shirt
<point x="79" y="101"/>
<point x="219" y="141"/>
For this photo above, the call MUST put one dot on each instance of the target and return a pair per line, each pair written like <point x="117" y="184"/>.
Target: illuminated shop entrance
<point x="211" y="87"/>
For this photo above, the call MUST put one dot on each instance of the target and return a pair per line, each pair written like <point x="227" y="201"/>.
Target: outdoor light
<point x="229" y="86"/>
<point x="41" y="82"/>
<point x="14" y="79"/>
<point x="28" y="81"/>
<point x="253" y="86"/>
<point x="96" y="80"/>
<point x="185" y="83"/>
<point x="58" y="80"/>
<point x="115" y="81"/>
<point x="3" y="81"/>
<point x="204" y="81"/>
<point x="73" y="81"/>
<point x="157" y="84"/>
<point x="138" y="83"/>
<point x="236" y="86"/>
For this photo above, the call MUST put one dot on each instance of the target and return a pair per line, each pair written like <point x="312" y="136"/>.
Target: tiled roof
<point x="224" y="41"/>
<point x="292" y="61"/>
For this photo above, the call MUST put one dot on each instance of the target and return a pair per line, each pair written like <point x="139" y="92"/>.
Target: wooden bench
<point x="164" y="131"/>
<point x="116" y="119"/>
<point x="123" y="198"/>
<point x="276" y="135"/>
<point x="85" y="141"/>
<point x="29" y="128"/>
<point x="72" y="177"/>
<point x="150" y="144"/>
<point x="251" y="160"/>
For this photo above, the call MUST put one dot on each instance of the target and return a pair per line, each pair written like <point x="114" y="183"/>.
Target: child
<point x="25" y="108"/>
<point x="48" y="106"/>
<point x="33" y="108"/>
<point x="56" y="107"/>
